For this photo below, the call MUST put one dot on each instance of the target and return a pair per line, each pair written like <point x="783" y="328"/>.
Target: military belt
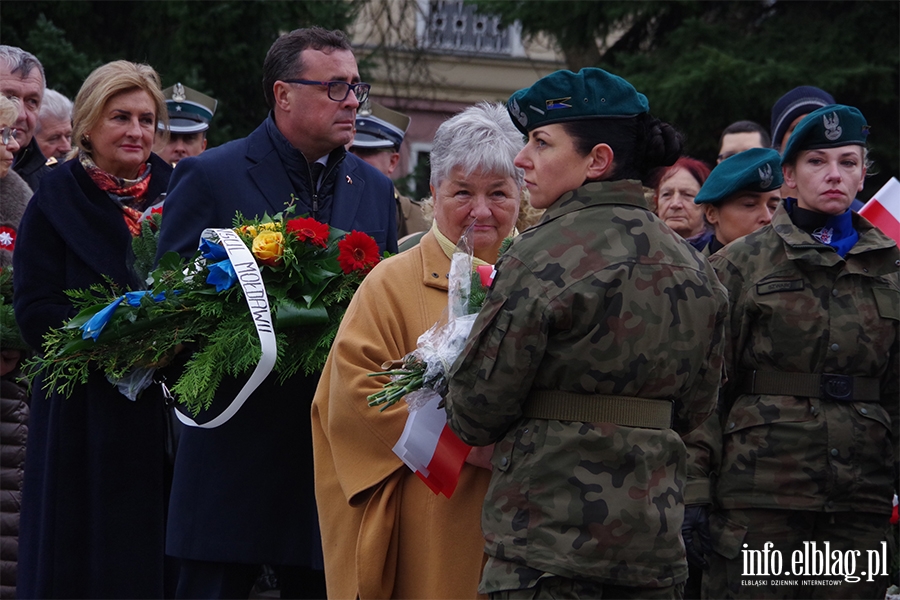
<point x="626" y="411"/>
<point x="827" y="386"/>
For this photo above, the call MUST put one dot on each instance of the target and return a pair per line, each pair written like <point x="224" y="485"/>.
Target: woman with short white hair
<point x="385" y="534"/>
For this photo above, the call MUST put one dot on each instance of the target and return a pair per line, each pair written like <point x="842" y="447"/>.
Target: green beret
<point x="831" y="126"/>
<point x="566" y="96"/>
<point x="753" y="170"/>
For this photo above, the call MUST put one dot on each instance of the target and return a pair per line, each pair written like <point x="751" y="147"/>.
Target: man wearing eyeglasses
<point x="22" y="77"/>
<point x="242" y="493"/>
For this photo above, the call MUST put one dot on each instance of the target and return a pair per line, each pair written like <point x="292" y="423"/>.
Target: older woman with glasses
<point x="13" y="189"/>
<point x="384" y="533"/>
<point x="14" y="196"/>
<point x="94" y="504"/>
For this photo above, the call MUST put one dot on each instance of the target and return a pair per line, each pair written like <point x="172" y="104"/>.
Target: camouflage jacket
<point x="797" y="306"/>
<point x="600" y="297"/>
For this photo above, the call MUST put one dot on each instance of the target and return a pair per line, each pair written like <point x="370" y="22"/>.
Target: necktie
<point x="316" y="169"/>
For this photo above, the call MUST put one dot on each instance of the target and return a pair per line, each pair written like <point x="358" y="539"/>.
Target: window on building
<point x="454" y="26"/>
<point x="415" y="183"/>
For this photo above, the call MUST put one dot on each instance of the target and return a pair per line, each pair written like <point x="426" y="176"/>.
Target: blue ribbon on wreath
<point x="221" y="273"/>
<point x="94" y="326"/>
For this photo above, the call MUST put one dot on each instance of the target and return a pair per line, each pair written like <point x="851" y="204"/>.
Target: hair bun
<point x="664" y="145"/>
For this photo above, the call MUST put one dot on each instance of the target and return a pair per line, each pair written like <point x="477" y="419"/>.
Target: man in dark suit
<point x="242" y="494"/>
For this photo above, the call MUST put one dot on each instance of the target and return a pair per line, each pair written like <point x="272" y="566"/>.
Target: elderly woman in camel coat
<point x="385" y="534"/>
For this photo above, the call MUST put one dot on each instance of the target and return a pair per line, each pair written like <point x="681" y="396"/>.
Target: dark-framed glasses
<point x="338" y="90"/>
<point x="7" y="133"/>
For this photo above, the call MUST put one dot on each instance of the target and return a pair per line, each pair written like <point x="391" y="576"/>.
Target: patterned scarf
<point x="128" y="194"/>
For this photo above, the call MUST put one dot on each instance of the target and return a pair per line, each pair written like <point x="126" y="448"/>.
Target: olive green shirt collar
<point x="623" y="191"/>
<point x="801" y="246"/>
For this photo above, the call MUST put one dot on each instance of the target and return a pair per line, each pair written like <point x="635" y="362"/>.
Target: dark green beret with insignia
<point x="753" y="170"/>
<point x="831" y="126"/>
<point x="566" y="96"/>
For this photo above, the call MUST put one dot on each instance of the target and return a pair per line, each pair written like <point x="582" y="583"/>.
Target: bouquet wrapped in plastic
<point x="421" y="375"/>
<point x="427" y="445"/>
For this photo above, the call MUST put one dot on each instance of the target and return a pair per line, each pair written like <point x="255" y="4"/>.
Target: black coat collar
<point x="89" y="221"/>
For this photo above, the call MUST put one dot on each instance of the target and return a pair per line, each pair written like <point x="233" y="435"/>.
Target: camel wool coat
<point x="385" y="534"/>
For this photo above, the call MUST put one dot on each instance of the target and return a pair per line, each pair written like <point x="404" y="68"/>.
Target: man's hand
<point x="695" y="532"/>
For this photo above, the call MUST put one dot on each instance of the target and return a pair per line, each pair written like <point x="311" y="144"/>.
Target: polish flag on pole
<point x="883" y="210"/>
<point x="431" y="449"/>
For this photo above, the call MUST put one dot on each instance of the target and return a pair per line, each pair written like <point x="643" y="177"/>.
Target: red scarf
<point x="128" y="194"/>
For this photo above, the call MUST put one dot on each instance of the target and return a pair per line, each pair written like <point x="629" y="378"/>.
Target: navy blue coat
<point x="243" y="492"/>
<point x="95" y="492"/>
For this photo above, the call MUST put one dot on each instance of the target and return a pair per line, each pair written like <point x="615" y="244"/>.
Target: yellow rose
<point x="248" y="230"/>
<point x="268" y="247"/>
<point x="273" y="226"/>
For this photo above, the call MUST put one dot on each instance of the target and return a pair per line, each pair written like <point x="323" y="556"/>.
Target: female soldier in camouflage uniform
<point x="599" y="344"/>
<point x="739" y="196"/>
<point x="810" y="407"/>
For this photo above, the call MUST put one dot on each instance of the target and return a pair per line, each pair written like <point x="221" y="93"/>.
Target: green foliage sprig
<point x="10" y="336"/>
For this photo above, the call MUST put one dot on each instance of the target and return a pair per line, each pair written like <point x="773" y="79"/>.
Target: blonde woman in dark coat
<point x="94" y="502"/>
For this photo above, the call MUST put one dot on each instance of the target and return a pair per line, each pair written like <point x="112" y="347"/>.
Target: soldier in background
<point x="740" y="136"/>
<point x="189" y="116"/>
<point x="54" y="127"/>
<point x="739" y="197"/>
<point x="598" y="348"/>
<point x="379" y="133"/>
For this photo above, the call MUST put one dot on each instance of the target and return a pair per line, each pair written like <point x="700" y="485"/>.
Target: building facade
<point x="430" y="59"/>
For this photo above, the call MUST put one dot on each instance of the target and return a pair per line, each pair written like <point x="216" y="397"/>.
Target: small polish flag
<point x="883" y="210"/>
<point x="431" y="449"/>
<point x="486" y="274"/>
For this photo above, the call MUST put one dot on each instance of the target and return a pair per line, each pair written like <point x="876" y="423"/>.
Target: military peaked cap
<point x="380" y="127"/>
<point x="189" y="110"/>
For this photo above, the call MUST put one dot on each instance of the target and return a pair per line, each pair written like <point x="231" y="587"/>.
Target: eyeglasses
<point x="7" y="133"/>
<point x="338" y="90"/>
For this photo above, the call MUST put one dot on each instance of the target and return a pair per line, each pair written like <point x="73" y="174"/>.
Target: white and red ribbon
<point x="430" y="448"/>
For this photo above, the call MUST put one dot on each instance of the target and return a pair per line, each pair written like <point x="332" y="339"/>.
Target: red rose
<point x="358" y="251"/>
<point x="309" y="230"/>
